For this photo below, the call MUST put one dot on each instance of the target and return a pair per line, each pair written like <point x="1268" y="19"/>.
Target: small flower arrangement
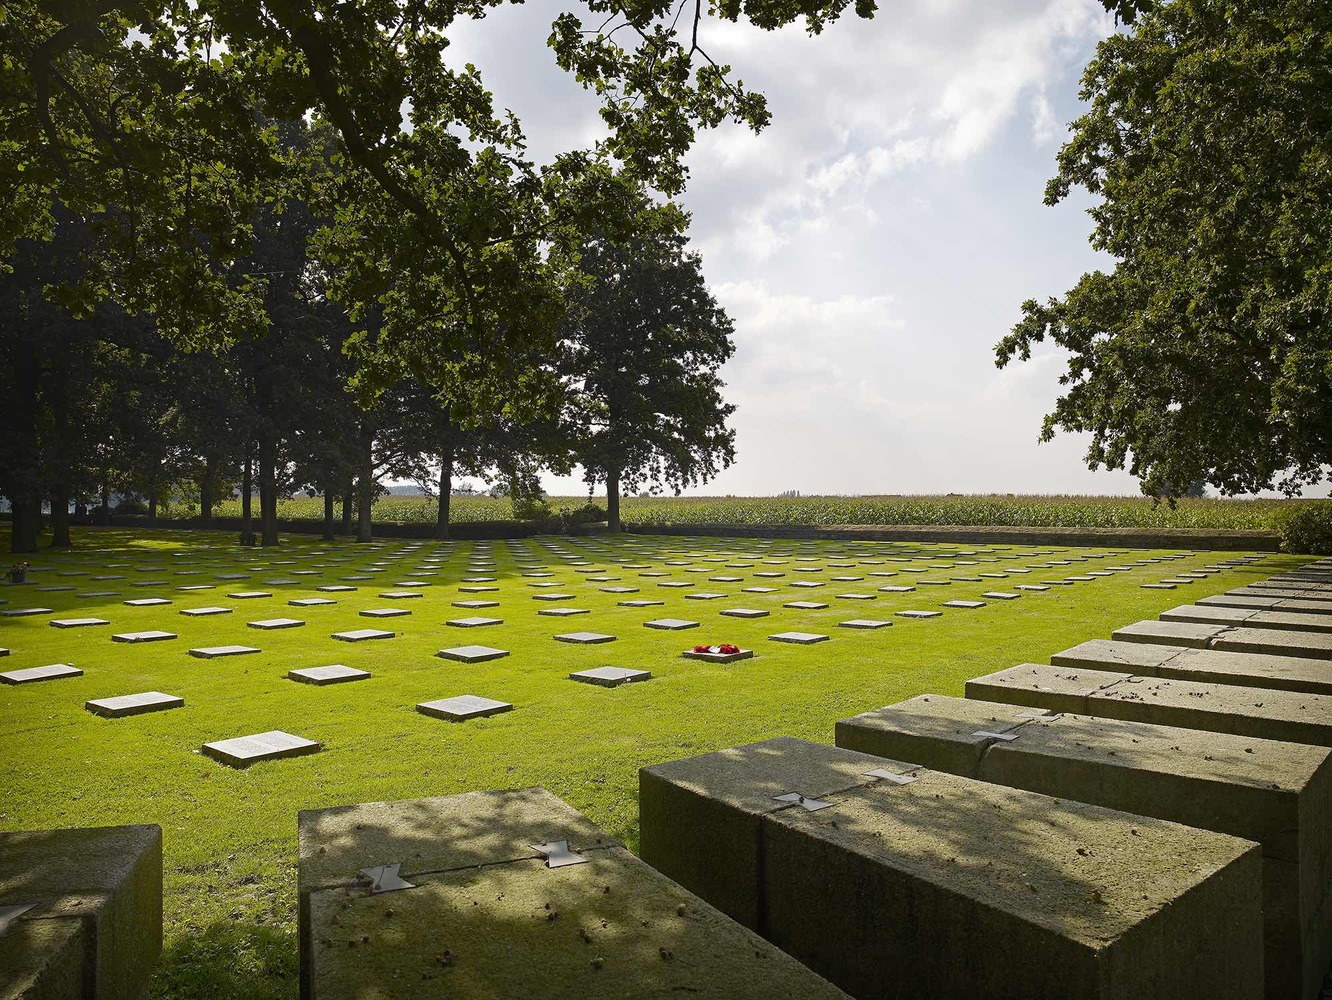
<point x="726" y="649"/>
<point x="18" y="572"/>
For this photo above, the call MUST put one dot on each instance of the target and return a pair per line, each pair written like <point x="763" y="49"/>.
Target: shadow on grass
<point x="229" y="961"/>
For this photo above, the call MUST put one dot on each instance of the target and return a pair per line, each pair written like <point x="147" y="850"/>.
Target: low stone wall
<point x="1133" y="538"/>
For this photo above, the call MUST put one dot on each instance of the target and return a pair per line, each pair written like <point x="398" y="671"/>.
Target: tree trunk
<point x="268" y="492"/>
<point x="367" y="485"/>
<point x="60" y="520"/>
<point x="328" y="515"/>
<point x="152" y="507"/>
<point x="613" y="500"/>
<point x="104" y="513"/>
<point x="23" y="529"/>
<point x="206" y="492"/>
<point x="247" y="488"/>
<point x="349" y="491"/>
<point x="445" y="492"/>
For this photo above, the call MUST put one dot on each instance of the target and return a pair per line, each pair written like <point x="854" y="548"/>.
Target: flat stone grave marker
<point x="799" y="638"/>
<point x="670" y="624"/>
<point x="76" y="622"/>
<point x="864" y="623"/>
<point x="1249" y="617"/>
<point x="362" y="635"/>
<point x="106" y="577"/>
<point x="400" y="595"/>
<point x="270" y="624"/>
<point x="463" y="707"/>
<point x="1034" y="587"/>
<point x="745" y="613"/>
<point x="476" y="605"/>
<point x="896" y="590"/>
<point x="610" y="676"/>
<point x="310" y="602"/>
<point x="1176" y="582"/>
<point x="934" y="583"/>
<point x="384" y="613"/>
<point x="806" y="584"/>
<point x="543" y="584"/>
<point x="1000" y="595"/>
<point x="281" y="583"/>
<point x="190" y="588"/>
<point x="563" y="612"/>
<point x="918" y="614"/>
<point x="56" y="589"/>
<point x="249" y="595"/>
<point x="805" y="605"/>
<point x="969" y="605"/>
<point x="715" y="655"/>
<point x="725" y="579"/>
<point x="133" y="704"/>
<point x="759" y="590"/>
<point x="619" y="590"/>
<point x="1286" y="673"/>
<point x="333" y="674"/>
<point x="474" y="622"/>
<point x="335" y="588"/>
<point x="1236" y="638"/>
<point x="676" y="584"/>
<point x="152" y="635"/>
<point x="31" y="675"/>
<point x="768" y="574"/>
<point x="476" y="589"/>
<point x="1263" y="713"/>
<point x="553" y="597"/>
<point x="215" y="652"/>
<point x="472" y="654"/>
<point x="856" y="597"/>
<point x="25" y="612"/>
<point x="274" y="745"/>
<point x="478" y="579"/>
<point x="703" y="595"/>
<point x="584" y="638"/>
<point x="3" y="651"/>
<point x="640" y="604"/>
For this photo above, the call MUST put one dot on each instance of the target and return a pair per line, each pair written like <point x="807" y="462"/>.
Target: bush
<point x="128" y="506"/>
<point x="589" y="513"/>
<point x="532" y="509"/>
<point x="1309" y="531"/>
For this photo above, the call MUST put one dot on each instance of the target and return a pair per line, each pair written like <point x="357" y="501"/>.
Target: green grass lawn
<point x="230" y="835"/>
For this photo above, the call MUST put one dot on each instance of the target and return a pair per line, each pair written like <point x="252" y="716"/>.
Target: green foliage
<point x="1309" y="530"/>
<point x="1206" y="354"/>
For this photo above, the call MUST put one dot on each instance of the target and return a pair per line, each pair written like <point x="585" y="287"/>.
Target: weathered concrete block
<point x="1287" y="673"/>
<point x="1319" y="597"/>
<point x="1237" y="638"/>
<point x="1264" y="602"/>
<point x="95" y="926"/>
<point x="1289" y="716"/>
<point x="948" y="887"/>
<point x="1278" y="794"/>
<point x="1250" y="618"/>
<point x="486" y="917"/>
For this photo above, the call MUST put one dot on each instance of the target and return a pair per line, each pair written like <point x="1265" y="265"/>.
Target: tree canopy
<point x="1205" y="355"/>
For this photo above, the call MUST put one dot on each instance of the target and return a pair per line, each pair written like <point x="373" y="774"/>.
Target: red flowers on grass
<point x="725" y="648"/>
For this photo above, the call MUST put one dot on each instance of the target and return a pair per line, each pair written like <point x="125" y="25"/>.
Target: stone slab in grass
<point x="362" y="635"/>
<point x="1287" y="673"/>
<point x="86" y="911"/>
<point x="768" y="574"/>
<point x="1265" y="603"/>
<point x="1236" y="638"/>
<point x="670" y="624"/>
<point x="463" y="707"/>
<point x="146" y="602"/>
<point x="273" y="624"/>
<point x="281" y="583"/>
<point x="151" y="635"/>
<point x="401" y="595"/>
<point x="725" y="579"/>
<point x="1159" y="586"/>
<point x="32" y="675"/>
<point x="335" y="588"/>
<point x="640" y="604"/>
<point x="335" y="673"/>
<point x="1322" y="598"/>
<point x="216" y="652"/>
<point x="477" y="589"/>
<point x="744" y="612"/>
<point x="249" y="595"/>
<point x="77" y="622"/>
<point x="1249" y="617"/>
<point x="517" y="921"/>
<point x="553" y="597"/>
<point x="864" y="623"/>
<point x="475" y="605"/>
<point x="759" y="590"/>
<point x="1263" y="713"/>
<point x="472" y="654"/>
<point x="3" y="651"/>
<point x="851" y="863"/>
<point x="709" y="656"/>
<point x="473" y="622"/>
<point x="584" y="638"/>
<point x="384" y="613"/>
<point x="676" y="584"/>
<point x="799" y="638"/>
<point x="703" y="595"/>
<point x="134" y="704"/>
<point x="243" y="751"/>
<point x="896" y="589"/>
<point x="918" y="614"/>
<point x="1034" y="587"/>
<point x="805" y="605"/>
<point x="610" y="676"/>
<point x="25" y="612"/>
<point x="806" y="584"/>
<point x="563" y="612"/>
<point x="966" y="605"/>
<point x="1260" y="790"/>
<point x="1000" y="595"/>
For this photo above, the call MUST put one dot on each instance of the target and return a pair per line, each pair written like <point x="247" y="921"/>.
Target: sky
<point x="875" y="241"/>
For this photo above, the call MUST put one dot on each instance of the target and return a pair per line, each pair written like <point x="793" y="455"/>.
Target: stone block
<point x="31" y="675"/>
<point x="204" y="612"/>
<point x="134" y="704"/>
<point x="272" y="624"/>
<point x="1277" y="794"/>
<point x="488" y="916"/>
<point x="463" y="707"/>
<point x="864" y="623"/>
<point x="362" y="635"/>
<point x="472" y="654"/>
<point x="896" y="881"/>
<point x="670" y="624"/>
<point x="242" y="751"/>
<point x="152" y="635"/>
<point x="799" y="638"/>
<point x="1289" y="716"/>
<point x="76" y="622"/>
<point x="1286" y="673"/>
<point x="584" y="638"/>
<point x="1249" y="618"/>
<point x="93" y="926"/>
<point x="214" y="652"/>
<point x="717" y="656"/>
<point x="610" y="676"/>
<point x="333" y="674"/>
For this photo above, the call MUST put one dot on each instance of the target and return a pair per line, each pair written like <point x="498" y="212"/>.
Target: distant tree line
<point x="100" y="402"/>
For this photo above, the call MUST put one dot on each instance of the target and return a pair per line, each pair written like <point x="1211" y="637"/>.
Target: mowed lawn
<point x="230" y="835"/>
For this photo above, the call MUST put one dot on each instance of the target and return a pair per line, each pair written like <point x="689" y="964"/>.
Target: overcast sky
<point x="875" y="241"/>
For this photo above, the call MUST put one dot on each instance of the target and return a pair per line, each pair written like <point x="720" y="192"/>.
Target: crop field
<point x="999" y="509"/>
<point x="230" y="834"/>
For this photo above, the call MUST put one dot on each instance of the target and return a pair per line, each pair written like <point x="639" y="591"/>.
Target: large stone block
<point x="1249" y="618"/>
<point x="487" y="918"/>
<point x="1278" y="794"/>
<point x="94" y="929"/>
<point x="1263" y="602"/>
<point x="921" y="883"/>
<point x="1287" y="673"/>
<point x="1289" y="716"/>
<point x="1237" y="638"/>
